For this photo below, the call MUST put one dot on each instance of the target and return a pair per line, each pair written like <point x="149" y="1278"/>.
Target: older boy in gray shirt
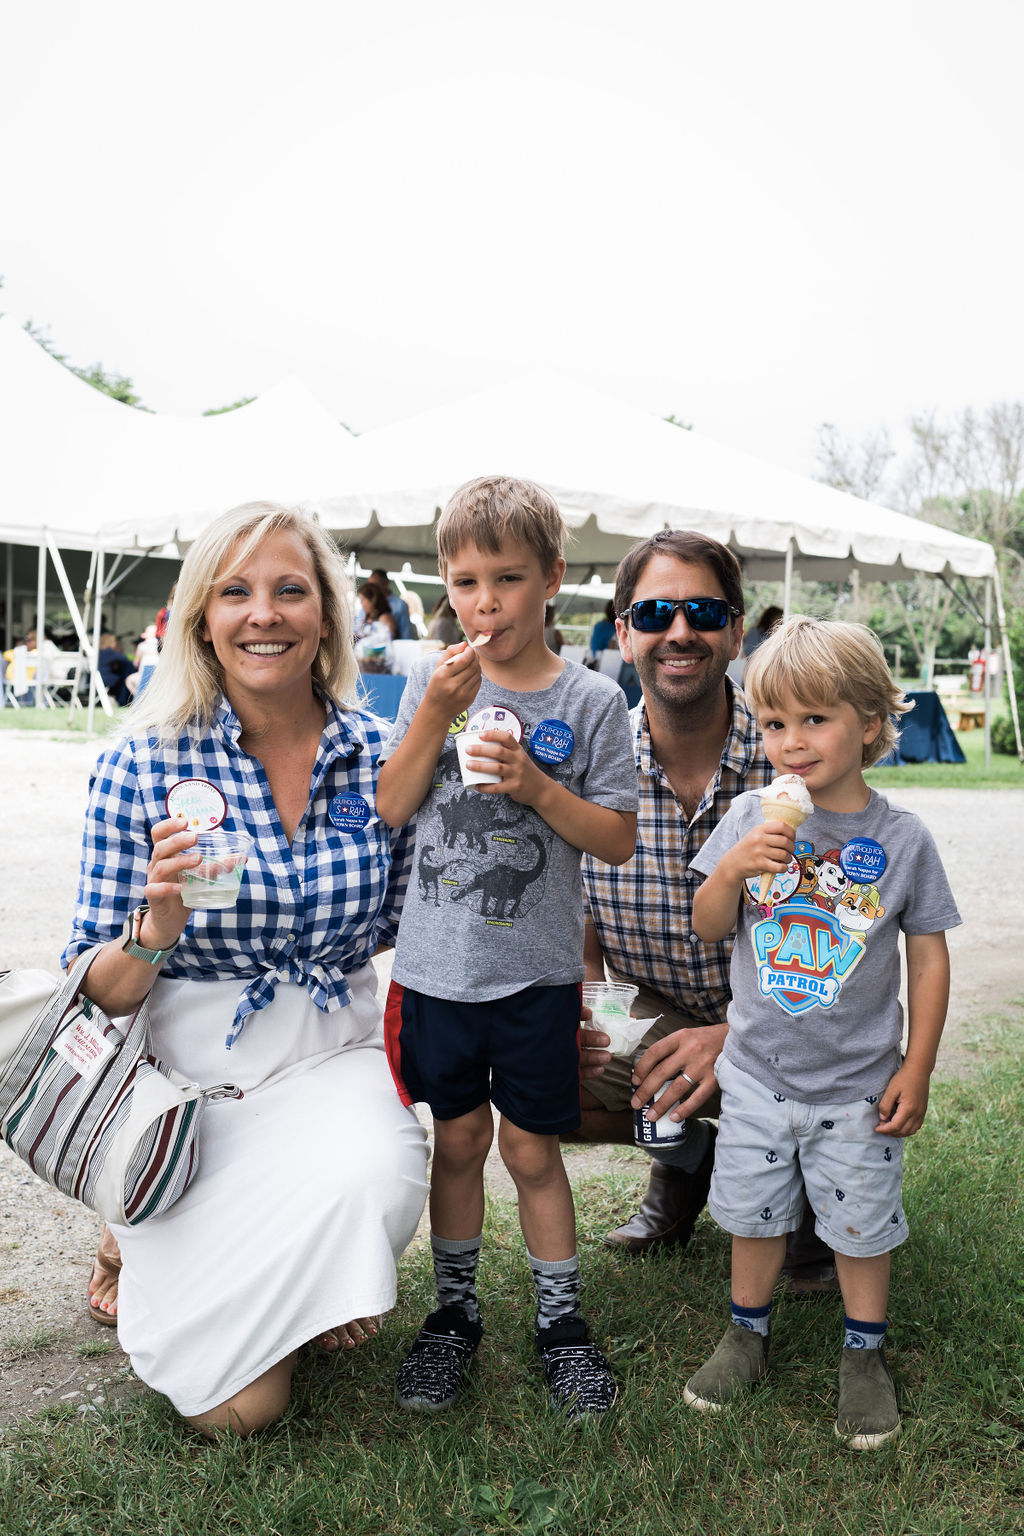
<point x="484" y="1005"/>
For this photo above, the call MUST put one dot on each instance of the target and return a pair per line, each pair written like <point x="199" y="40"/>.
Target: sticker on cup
<point x="349" y="813"/>
<point x="214" y="883"/>
<point x="552" y="741"/>
<point x="200" y="802"/>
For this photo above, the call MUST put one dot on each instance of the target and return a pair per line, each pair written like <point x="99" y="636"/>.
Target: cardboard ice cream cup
<point x="466" y="744"/>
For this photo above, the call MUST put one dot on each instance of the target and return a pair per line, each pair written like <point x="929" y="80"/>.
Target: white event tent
<point x="619" y="475"/>
<point x="81" y="471"/>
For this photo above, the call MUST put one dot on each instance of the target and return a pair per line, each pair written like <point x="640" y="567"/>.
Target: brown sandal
<point x="107" y="1263"/>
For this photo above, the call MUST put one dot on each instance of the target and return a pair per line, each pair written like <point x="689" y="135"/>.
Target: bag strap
<point x="136" y="1038"/>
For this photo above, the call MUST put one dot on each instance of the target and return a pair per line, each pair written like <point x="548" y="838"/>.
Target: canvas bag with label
<point x="89" y="1108"/>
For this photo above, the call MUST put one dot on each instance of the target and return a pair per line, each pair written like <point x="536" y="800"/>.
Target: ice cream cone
<point x="793" y="816"/>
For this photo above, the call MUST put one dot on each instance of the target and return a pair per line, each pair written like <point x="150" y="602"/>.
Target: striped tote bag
<point x="89" y="1108"/>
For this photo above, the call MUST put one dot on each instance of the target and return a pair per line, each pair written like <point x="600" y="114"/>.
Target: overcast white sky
<point x="757" y="215"/>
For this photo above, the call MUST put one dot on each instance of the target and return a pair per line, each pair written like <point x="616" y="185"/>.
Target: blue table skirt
<point x="926" y="735"/>
<point x="382" y="692"/>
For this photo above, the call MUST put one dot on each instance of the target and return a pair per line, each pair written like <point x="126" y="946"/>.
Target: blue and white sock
<point x="558" y="1289"/>
<point x="863" y="1335"/>
<point x="455" y="1261"/>
<point x="754" y="1318"/>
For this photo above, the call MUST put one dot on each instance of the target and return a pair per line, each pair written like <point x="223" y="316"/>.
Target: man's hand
<point x="594" y="1052"/>
<point x="689" y="1057"/>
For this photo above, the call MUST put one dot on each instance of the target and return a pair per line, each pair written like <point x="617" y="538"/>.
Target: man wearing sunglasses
<point x="679" y="606"/>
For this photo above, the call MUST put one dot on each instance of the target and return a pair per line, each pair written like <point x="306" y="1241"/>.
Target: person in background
<point x="761" y="630"/>
<point x="603" y="636"/>
<point x="375" y="631"/>
<point x="444" y="626"/>
<point x="553" y="637"/>
<point x="163" y="617"/>
<point x="399" y="607"/>
<point x="114" y="668"/>
<point x="311" y="1183"/>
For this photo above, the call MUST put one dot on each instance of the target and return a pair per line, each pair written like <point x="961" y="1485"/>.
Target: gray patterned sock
<point x="455" y="1261"/>
<point x="558" y="1289"/>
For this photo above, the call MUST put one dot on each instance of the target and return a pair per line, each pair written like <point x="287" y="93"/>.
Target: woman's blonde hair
<point x="824" y="661"/>
<point x="185" y="687"/>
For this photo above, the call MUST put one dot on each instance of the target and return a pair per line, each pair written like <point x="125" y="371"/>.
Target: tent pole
<point x="787" y="583"/>
<point x="97" y="619"/>
<point x="88" y="650"/>
<point x="9" y="603"/>
<point x="1007" y="662"/>
<point x="986" y="677"/>
<point x="40" y="617"/>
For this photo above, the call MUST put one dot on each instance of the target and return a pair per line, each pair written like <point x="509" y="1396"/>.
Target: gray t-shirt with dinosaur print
<point x="495" y="903"/>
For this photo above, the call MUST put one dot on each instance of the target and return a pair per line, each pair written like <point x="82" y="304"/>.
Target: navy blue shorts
<point x="520" y="1053"/>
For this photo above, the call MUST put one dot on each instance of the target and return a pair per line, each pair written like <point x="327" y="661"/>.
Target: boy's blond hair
<point x="824" y="661"/>
<point x="497" y="510"/>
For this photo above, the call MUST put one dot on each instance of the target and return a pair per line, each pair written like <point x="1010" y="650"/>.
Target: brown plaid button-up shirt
<point x="642" y="910"/>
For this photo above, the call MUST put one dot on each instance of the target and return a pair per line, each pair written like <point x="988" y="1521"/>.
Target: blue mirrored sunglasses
<point x="652" y="615"/>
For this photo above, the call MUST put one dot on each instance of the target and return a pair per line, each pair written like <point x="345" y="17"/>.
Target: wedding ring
<point x="689" y="1079"/>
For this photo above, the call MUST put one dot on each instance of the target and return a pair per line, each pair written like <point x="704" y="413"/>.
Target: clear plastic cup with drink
<point x="216" y="881"/>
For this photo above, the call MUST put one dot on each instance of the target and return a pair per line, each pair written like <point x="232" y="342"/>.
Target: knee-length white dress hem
<point x="309" y="1188"/>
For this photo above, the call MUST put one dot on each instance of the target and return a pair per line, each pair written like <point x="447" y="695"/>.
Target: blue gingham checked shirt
<point x="306" y="914"/>
<point x="642" y="910"/>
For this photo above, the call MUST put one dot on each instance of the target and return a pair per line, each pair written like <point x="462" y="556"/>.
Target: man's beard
<point x="682" y="693"/>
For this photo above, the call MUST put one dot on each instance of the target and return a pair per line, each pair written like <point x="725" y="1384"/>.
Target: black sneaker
<point x="578" y="1375"/>
<point x="431" y="1375"/>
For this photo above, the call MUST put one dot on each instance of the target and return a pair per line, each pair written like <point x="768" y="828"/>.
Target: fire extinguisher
<point x="977" y="672"/>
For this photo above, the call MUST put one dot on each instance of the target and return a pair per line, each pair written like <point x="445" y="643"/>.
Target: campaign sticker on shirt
<point x="349" y="813"/>
<point x="552" y="741"/>
<point x="200" y="802"/>
<point x="459" y="723"/>
<point x="862" y="860"/>
<point x="495" y="717"/>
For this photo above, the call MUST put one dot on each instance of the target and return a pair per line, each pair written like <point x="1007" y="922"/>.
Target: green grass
<point x="1004" y="772"/>
<point x="55" y="722"/>
<point x="346" y="1460"/>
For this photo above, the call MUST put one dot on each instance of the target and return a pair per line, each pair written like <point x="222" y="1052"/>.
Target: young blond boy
<point x="814" y="1085"/>
<point x="484" y="1005"/>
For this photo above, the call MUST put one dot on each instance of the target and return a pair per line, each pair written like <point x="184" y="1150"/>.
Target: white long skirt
<point x="309" y="1188"/>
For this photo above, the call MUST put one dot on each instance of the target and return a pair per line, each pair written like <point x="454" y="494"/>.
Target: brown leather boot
<point x="670" y="1207"/>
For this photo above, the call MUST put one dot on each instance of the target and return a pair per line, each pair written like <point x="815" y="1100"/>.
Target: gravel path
<point x="46" y="1240"/>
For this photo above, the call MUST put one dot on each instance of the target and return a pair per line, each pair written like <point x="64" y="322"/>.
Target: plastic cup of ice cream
<point x="216" y="881"/>
<point x="610" y="1003"/>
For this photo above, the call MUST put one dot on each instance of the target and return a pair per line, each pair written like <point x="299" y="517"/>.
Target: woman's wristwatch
<point x="130" y="934"/>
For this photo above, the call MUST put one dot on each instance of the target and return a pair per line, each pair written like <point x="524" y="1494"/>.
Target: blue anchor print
<point x="771" y="1157"/>
<point x="766" y="1214"/>
<point x="840" y="1194"/>
<point x="828" y="1125"/>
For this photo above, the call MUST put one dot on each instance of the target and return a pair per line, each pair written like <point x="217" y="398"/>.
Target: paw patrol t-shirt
<point x="815" y="1012"/>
